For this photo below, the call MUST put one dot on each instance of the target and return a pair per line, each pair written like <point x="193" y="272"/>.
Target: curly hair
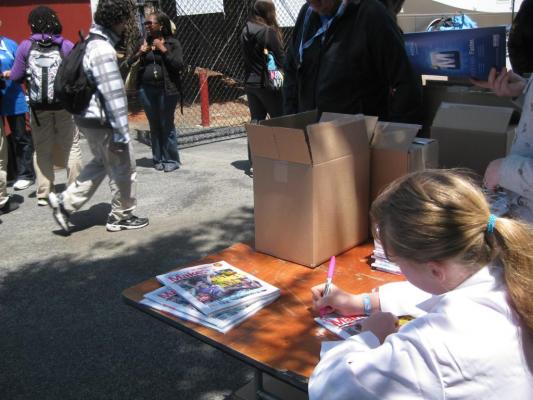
<point x="43" y="19"/>
<point x="112" y="12"/>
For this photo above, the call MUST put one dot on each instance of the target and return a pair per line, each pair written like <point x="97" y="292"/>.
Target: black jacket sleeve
<point x="290" y="84"/>
<point x="273" y="44"/>
<point x="392" y="64"/>
<point x="173" y="57"/>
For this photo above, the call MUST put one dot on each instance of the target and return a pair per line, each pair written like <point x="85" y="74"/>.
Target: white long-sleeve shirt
<point x="468" y="345"/>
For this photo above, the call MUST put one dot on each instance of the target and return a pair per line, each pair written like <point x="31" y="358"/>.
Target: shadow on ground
<point x="67" y="334"/>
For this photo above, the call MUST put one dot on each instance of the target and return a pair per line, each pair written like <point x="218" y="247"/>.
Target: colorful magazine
<point x="221" y="322"/>
<point x="219" y="286"/>
<point x="344" y="327"/>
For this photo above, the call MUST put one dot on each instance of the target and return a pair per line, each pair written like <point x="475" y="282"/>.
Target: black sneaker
<point x="133" y="222"/>
<point x="60" y="214"/>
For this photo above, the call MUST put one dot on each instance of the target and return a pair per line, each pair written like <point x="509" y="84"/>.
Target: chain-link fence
<point x="209" y="31"/>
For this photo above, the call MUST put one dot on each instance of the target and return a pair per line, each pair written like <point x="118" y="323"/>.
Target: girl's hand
<point x="381" y="324"/>
<point x="337" y="300"/>
<point x="492" y="174"/>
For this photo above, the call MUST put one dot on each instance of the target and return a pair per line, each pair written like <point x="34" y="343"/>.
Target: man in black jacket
<point x="348" y="56"/>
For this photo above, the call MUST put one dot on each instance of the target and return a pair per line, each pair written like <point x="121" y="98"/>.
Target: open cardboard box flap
<point x="336" y="138"/>
<point x="393" y="135"/>
<point x="300" y="139"/>
<point x="473" y="117"/>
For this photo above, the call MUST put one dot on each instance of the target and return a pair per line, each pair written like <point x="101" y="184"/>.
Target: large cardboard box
<point x="311" y="185"/>
<point x="471" y="136"/>
<point x="396" y="152"/>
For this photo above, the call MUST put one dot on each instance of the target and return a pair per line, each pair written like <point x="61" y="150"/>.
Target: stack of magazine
<point x="381" y="262"/>
<point x="217" y="295"/>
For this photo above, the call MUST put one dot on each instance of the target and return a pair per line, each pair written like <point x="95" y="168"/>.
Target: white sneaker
<point x="22" y="184"/>
<point x="42" y="202"/>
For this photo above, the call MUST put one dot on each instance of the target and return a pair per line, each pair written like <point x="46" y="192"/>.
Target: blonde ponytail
<point x="515" y="241"/>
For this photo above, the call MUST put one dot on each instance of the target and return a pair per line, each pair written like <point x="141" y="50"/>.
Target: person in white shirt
<point x="473" y="272"/>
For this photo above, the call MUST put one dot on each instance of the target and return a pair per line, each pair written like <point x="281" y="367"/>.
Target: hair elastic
<point x="491" y="223"/>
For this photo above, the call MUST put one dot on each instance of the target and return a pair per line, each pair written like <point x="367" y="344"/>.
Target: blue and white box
<point x="457" y="53"/>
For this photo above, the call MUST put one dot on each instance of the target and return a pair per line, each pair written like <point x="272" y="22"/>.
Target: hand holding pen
<point x="327" y="288"/>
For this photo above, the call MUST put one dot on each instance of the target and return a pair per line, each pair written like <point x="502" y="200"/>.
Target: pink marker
<point x="329" y="280"/>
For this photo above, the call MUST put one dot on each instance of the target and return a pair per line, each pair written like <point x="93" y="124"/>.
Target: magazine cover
<point x="225" y="319"/>
<point x="215" y="287"/>
<point x="344" y="327"/>
<point x="457" y="53"/>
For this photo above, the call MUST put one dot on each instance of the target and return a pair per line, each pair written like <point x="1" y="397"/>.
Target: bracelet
<point x="367" y="303"/>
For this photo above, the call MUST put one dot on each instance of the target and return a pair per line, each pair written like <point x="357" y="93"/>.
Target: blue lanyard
<point x="321" y="31"/>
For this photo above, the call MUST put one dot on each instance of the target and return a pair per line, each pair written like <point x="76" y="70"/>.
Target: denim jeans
<point x="23" y="146"/>
<point x="160" y="109"/>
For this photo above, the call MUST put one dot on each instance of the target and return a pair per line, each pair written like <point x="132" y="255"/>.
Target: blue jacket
<point x="13" y="101"/>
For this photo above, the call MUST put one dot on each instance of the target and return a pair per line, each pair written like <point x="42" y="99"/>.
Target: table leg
<point x="260" y="392"/>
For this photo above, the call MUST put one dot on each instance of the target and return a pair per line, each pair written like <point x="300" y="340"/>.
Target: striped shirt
<point x="101" y="66"/>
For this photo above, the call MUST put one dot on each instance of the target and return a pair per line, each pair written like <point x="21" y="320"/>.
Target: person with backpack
<point x="38" y="59"/>
<point x="103" y="121"/>
<point x="158" y="77"/>
<point x="14" y="109"/>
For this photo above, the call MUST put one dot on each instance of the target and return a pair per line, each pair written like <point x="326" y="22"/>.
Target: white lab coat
<point x="467" y="346"/>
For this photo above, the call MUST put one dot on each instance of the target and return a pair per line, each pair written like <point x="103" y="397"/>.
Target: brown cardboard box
<point x="396" y="152"/>
<point x="436" y="92"/>
<point x="471" y="136"/>
<point x="311" y="183"/>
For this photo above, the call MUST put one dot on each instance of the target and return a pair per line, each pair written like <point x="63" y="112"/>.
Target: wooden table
<point x="281" y="340"/>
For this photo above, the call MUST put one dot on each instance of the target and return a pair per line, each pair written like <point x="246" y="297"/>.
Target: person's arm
<point x="110" y="87"/>
<point x="273" y="44"/>
<point x="402" y="367"/>
<point x="173" y="56"/>
<point x="290" y="83"/>
<point x="397" y="298"/>
<point x="391" y="62"/>
<point x="18" y="70"/>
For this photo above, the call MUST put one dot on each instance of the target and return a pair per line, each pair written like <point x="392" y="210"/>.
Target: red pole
<point x="204" y="96"/>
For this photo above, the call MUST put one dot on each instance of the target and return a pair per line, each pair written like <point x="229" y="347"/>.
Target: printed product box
<point x="457" y="53"/>
<point x="471" y="136"/>
<point x="396" y="151"/>
<point x="311" y="185"/>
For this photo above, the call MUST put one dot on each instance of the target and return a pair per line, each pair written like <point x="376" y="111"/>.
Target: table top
<point x="282" y="339"/>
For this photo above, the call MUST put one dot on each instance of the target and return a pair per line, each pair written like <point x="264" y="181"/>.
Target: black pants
<point x="263" y="102"/>
<point x="23" y="145"/>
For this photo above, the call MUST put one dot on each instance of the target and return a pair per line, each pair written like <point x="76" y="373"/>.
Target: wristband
<point x="367" y="303"/>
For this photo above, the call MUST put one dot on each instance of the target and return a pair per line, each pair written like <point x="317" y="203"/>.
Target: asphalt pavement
<point x="65" y="332"/>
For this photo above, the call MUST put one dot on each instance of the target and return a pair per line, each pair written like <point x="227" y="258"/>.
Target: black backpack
<point x="72" y="87"/>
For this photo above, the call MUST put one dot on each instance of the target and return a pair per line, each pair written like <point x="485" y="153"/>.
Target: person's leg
<point x="4" y="198"/>
<point x="23" y="147"/>
<point x="257" y="110"/>
<point x="169" y="141"/>
<point x="122" y="182"/>
<point x="150" y="101"/>
<point x="272" y="101"/>
<point x="43" y="134"/>
<point x="90" y="177"/>
<point x="68" y="139"/>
